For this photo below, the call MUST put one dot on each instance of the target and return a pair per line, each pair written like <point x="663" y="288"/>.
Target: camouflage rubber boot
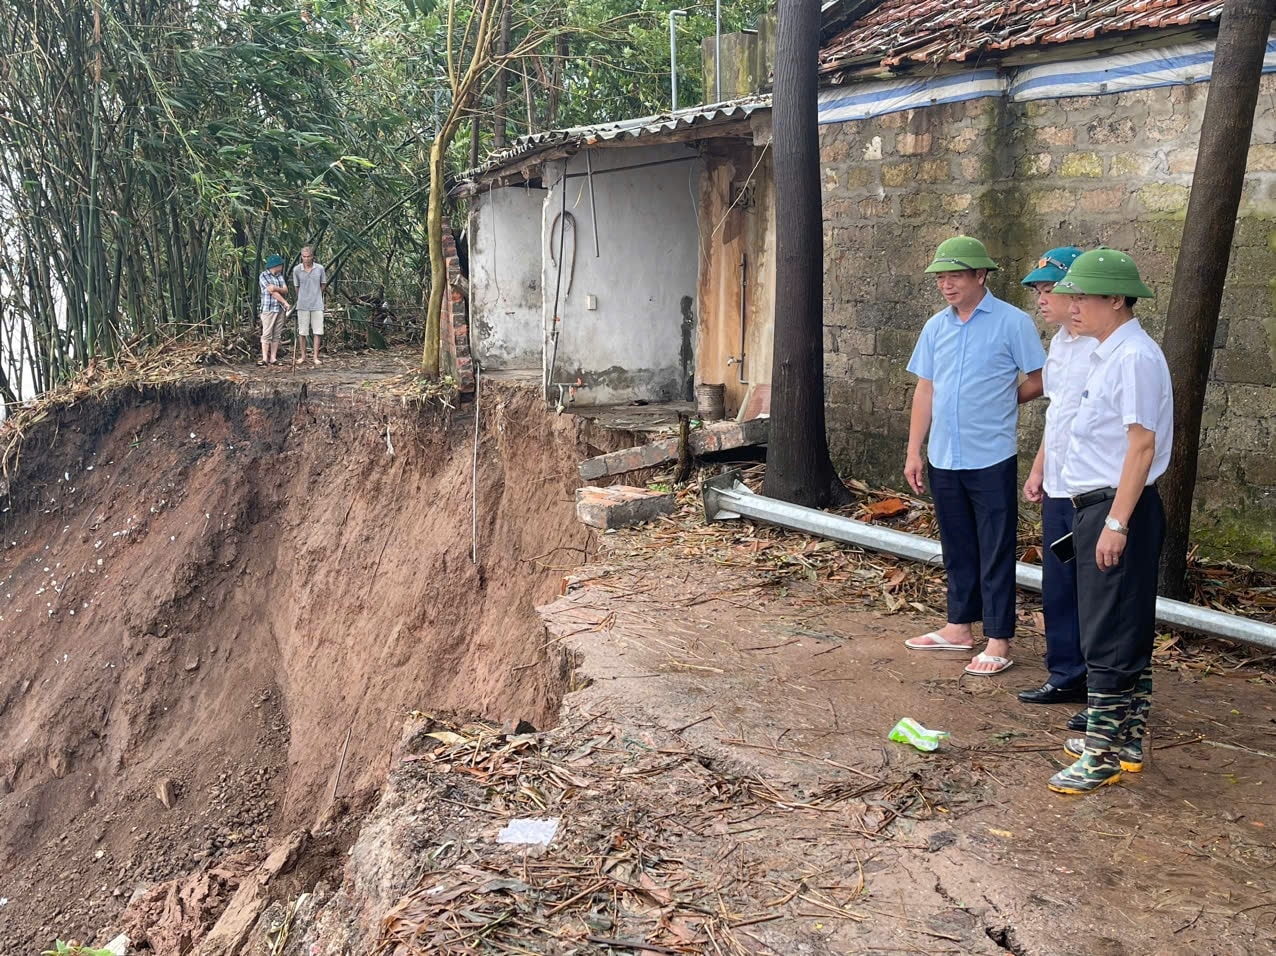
<point x="1136" y="723"/>
<point x="1098" y="763"/>
<point x="1132" y="734"/>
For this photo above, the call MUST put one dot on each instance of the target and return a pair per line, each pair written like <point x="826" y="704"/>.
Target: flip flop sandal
<point x="934" y="641"/>
<point x="1002" y="664"/>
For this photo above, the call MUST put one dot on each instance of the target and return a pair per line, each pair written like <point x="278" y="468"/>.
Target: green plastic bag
<point x="909" y="731"/>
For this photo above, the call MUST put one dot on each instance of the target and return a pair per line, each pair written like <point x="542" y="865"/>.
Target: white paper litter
<point x="530" y="832"/>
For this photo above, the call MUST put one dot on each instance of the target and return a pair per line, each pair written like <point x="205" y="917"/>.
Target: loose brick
<point x="620" y="506"/>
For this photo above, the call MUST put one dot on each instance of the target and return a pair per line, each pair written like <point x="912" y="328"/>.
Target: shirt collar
<point x="984" y="305"/>
<point x="1119" y="335"/>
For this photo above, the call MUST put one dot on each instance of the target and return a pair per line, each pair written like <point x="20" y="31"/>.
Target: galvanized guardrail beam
<point x="727" y="497"/>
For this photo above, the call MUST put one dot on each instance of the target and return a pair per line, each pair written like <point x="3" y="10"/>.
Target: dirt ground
<point x="792" y="682"/>
<point x="219" y="602"/>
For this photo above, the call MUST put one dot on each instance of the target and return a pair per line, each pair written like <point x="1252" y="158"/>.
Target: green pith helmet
<point x="1103" y="272"/>
<point x="960" y="252"/>
<point x="275" y="260"/>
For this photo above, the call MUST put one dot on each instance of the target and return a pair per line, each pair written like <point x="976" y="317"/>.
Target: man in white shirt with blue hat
<point x="1067" y="364"/>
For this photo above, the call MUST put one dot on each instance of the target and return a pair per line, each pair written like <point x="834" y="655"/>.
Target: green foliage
<point x="154" y="152"/>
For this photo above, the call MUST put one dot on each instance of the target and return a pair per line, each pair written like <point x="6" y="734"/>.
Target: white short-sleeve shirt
<point x="1067" y="367"/>
<point x="1128" y="384"/>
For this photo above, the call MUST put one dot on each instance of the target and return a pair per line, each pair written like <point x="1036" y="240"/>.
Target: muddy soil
<point x="793" y="683"/>
<point x="219" y="594"/>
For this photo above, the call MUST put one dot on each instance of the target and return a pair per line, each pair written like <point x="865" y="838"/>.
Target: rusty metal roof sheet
<point x="901" y="33"/>
<point x="650" y="128"/>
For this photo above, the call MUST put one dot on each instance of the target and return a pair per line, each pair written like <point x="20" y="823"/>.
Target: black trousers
<point x="978" y="514"/>
<point x="1117" y="607"/>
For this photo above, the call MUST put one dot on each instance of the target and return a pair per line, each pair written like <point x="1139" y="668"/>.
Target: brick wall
<point x="454" y="321"/>
<point x="1024" y="177"/>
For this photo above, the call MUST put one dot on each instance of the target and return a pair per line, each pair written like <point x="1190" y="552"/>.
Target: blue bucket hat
<point x="279" y="260"/>
<point x="1053" y="266"/>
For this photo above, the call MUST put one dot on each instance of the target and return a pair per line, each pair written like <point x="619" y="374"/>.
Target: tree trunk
<point x="555" y="93"/>
<point x="502" y="82"/>
<point x="798" y="465"/>
<point x="1192" y="321"/>
<point x="438" y="270"/>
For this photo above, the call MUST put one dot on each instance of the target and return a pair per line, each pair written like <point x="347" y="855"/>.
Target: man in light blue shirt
<point x="967" y="361"/>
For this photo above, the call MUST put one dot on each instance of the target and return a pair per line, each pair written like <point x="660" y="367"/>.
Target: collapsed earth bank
<point x="217" y="604"/>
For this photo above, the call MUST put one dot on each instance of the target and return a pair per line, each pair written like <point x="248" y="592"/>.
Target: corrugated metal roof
<point x="908" y="32"/>
<point x="646" y="127"/>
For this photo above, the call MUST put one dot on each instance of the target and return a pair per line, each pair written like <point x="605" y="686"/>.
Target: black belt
<point x="1093" y="498"/>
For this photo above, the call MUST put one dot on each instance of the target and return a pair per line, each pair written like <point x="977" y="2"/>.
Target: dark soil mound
<point x="209" y="598"/>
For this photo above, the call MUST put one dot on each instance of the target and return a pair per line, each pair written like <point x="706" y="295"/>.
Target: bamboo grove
<point x="154" y="152"/>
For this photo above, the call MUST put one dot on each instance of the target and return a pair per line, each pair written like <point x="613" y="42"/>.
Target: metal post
<point x="593" y="208"/>
<point x="717" y="51"/>
<point x="673" y="56"/>
<point x="727" y="497"/>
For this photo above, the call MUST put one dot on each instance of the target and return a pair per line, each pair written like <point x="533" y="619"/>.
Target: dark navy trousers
<point x="1064" y="659"/>
<point x="978" y="514"/>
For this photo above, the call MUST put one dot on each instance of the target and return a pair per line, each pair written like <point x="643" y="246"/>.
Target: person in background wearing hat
<point x="273" y="307"/>
<point x="967" y="361"/>
<point x="1067" y="363"/>
<point x="1118" y="447"/>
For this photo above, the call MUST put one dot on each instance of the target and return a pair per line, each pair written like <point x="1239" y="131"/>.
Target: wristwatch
<point x="1114" y="525"/>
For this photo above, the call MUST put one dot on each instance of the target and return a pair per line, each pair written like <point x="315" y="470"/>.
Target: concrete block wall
<point x="1112" y="170"/>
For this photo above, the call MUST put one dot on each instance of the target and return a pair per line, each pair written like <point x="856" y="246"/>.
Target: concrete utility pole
<point x="1192" y="321"/>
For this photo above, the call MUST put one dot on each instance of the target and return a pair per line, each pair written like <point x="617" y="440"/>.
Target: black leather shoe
<point x="1047" y="693"/>
<point x="1080" y="722"/>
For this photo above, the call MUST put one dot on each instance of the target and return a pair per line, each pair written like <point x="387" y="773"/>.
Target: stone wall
<point x="1112" y="170"/>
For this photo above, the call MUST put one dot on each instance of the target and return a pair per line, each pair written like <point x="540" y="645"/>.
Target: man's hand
<point x="1032" y="488"/>
<point x="915" y="472"/>
<point x="1107" y="553"/>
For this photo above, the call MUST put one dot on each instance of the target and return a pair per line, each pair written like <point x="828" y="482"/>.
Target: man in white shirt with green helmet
<point x="1119" y="445"/>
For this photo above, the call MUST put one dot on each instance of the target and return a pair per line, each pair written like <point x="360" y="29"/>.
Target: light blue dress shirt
<point x="975" y="368"/>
